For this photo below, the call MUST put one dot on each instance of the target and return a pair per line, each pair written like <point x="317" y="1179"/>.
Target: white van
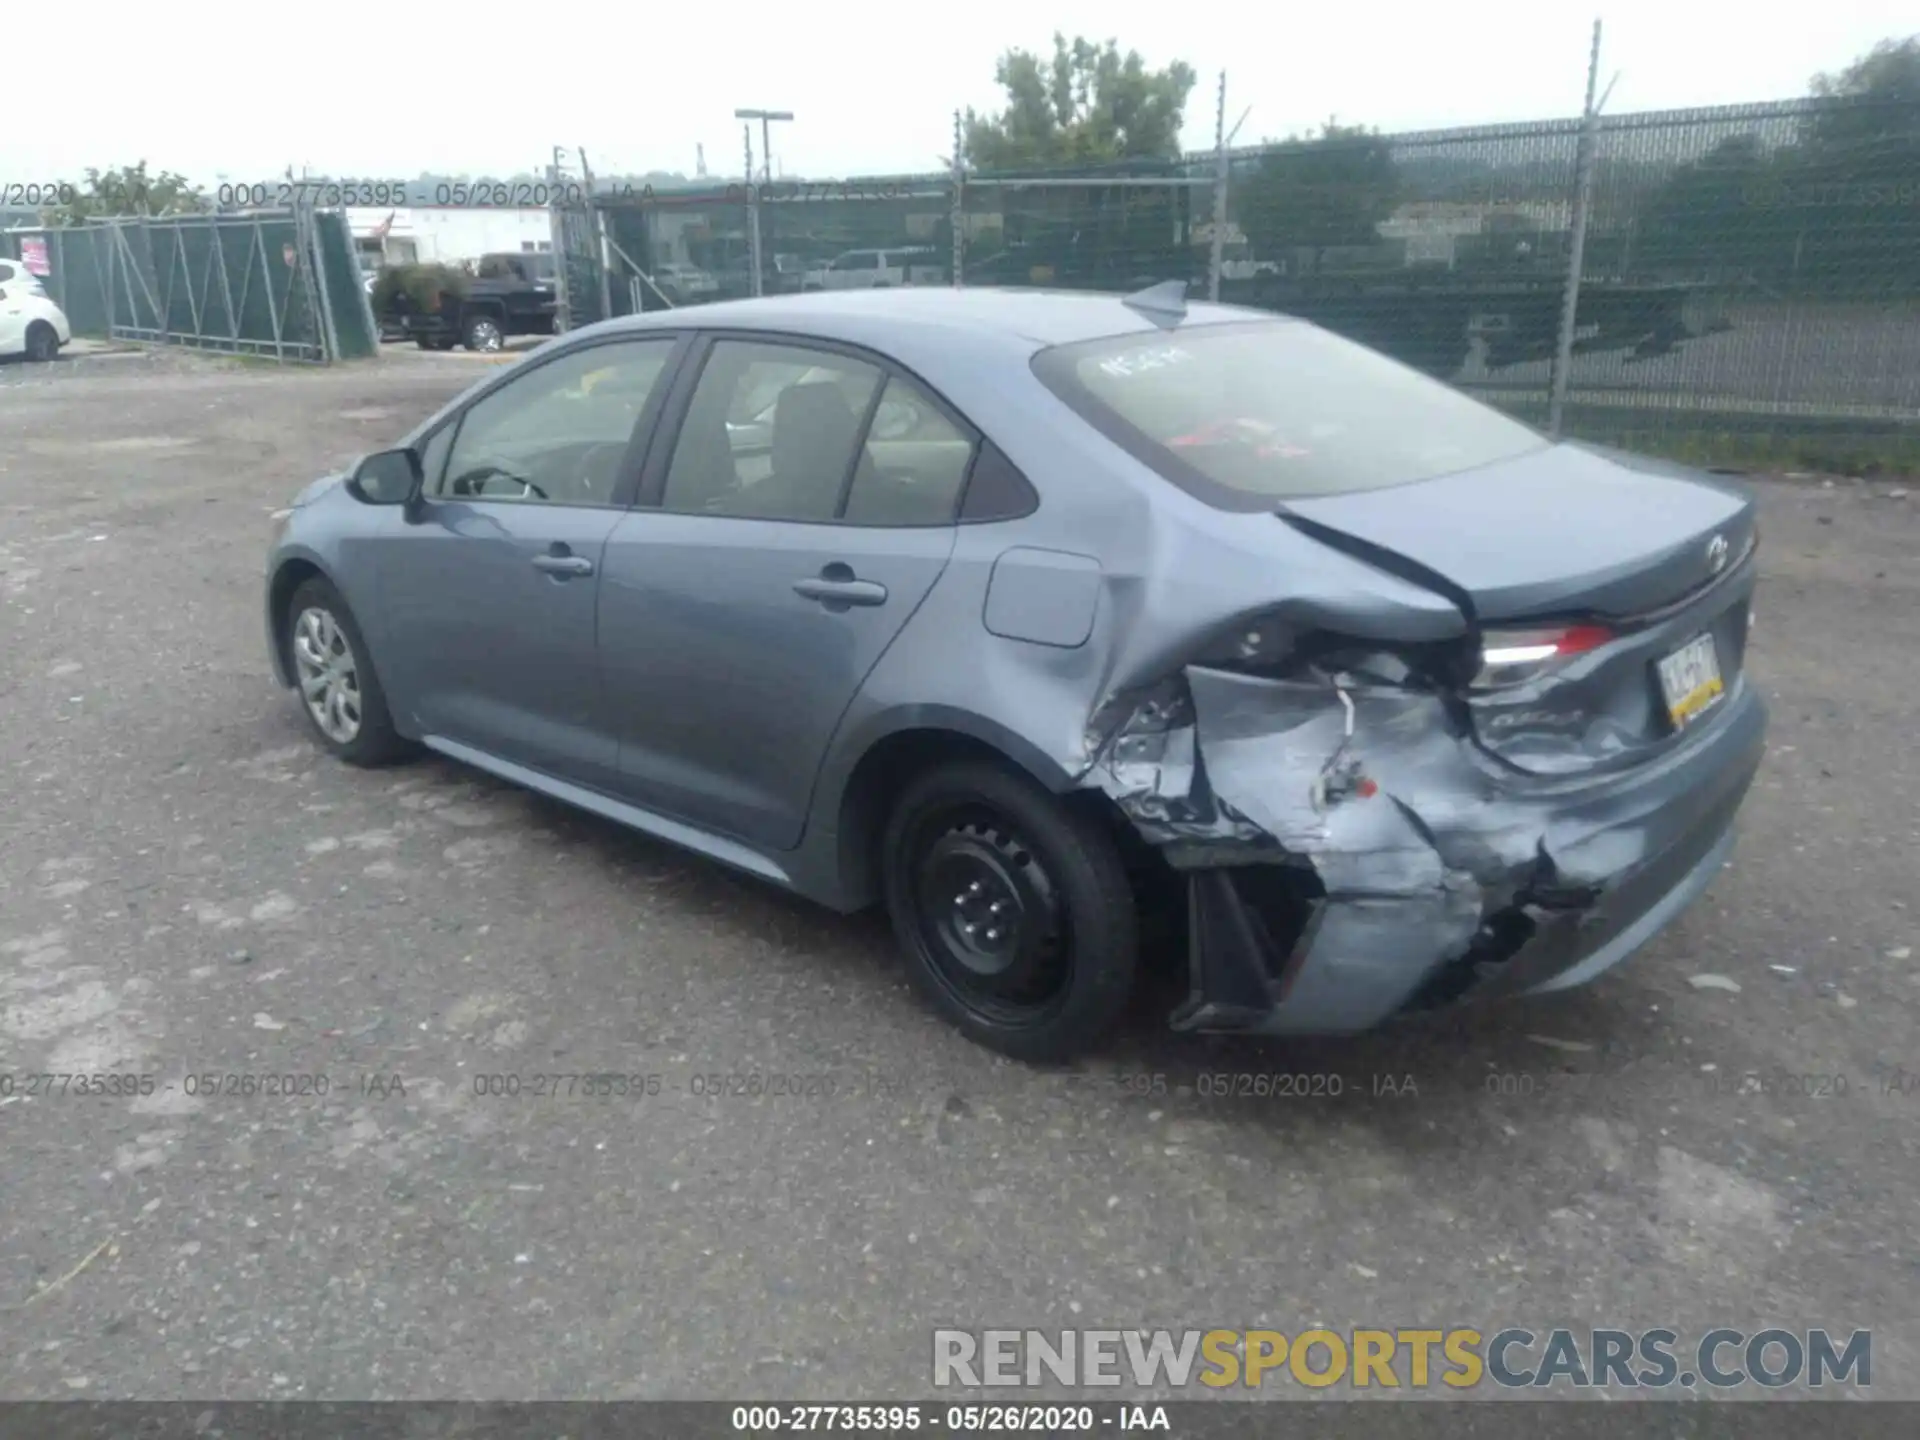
<point x="877" y="269"/>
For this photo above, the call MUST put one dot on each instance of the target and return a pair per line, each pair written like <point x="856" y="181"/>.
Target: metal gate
<point x="243" y="284"/>
<point x="579" y="244"/>
<point x="278" y="283"/>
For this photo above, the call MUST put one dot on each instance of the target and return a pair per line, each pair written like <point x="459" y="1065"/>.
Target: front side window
<point x="772" y="433"/>
<point x="558" y="434"/>
<point x="1246" y="416"/>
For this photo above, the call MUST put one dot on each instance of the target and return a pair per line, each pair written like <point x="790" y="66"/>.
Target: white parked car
<point x="880" y="269"/>
<point x="30" y="323"/>
<point x="686" y="282"/>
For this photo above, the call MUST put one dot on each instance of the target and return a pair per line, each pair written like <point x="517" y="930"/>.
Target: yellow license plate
<point x="1690" y="681"/>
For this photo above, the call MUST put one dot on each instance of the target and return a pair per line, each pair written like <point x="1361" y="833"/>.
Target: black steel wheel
<point x="1014" y="911"/>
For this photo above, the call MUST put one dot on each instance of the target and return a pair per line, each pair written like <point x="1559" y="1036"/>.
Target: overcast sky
<point x="873" y="86"/>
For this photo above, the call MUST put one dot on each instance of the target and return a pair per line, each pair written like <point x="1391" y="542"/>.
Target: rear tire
<point x="43" y="343"/>
<point x="340" y="694"/>
<point x="1014" y="911"/>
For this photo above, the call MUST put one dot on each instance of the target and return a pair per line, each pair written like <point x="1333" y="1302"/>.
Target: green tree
<point x="130" y="190"/>
<point x="1874" y="99"/>
<point x="1852" y="185"/>
<point x="1835" y="211"/>
<point x="1330" y="188"/>
<point x="1087" y="105"/>
<point x="1713" y="217"/>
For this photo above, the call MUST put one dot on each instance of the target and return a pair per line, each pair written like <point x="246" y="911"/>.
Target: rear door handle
<point x="563" y="564"/>
<point x="835" y="592"/>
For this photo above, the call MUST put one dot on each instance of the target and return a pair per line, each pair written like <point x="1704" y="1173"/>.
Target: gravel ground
<point x="191" y="889"/>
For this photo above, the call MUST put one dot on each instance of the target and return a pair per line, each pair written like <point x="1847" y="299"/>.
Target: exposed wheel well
<point x="287" y="579"/>
<point x="887" y="768"/>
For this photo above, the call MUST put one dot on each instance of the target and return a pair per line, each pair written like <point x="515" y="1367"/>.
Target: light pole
<point x="766" y="119"/>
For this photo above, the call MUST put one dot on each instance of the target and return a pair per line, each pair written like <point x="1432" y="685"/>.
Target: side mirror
<point x="390" y="477"/>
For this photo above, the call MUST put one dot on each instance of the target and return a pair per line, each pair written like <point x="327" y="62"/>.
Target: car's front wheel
<point x="339" y="692"/>
<point x="42" y="342"/>
<point x="1014" y="911"/>
<point x="484" y="334"/>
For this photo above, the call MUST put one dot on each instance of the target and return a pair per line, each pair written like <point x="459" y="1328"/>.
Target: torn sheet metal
<point x="1237" y="759"/>
<point x="1429" y="854"/>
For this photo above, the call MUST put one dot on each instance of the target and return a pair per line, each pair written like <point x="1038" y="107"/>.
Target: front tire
<point x="1013" y="910"/>
<point x="484" y="335"/>
<point x="339" y="693"/>
<point x="43" y="344"/>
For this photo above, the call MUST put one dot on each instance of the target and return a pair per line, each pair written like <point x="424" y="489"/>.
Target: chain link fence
<point x="1748" y="283"/>
<point x="1745" y="281"/>
<point x="1791" y="236"/>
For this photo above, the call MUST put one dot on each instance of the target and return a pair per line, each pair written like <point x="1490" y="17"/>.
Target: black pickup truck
<point x="510" y="293"/>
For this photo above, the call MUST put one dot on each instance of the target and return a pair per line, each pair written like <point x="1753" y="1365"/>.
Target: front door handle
<point x="563" y="565"/>
<point x="835" y="592"/>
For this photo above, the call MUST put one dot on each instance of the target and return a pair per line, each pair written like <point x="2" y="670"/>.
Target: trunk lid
<point x="1566" y="531"/>
<point x="1658" y="554"/>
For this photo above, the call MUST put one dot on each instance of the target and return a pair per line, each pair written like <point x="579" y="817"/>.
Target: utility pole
<point x="959" y="221"/>
<point x="557" y="238"/>
<point x="1216" y="255"/>
<point x="753" y="212"/>
<point x="766" y="119"/>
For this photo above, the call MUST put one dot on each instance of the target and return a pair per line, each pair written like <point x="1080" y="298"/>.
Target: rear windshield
<point x="1246" y="415"/>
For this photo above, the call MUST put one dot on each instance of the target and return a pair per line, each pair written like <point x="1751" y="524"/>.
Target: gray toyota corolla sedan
<point x="1004" y="609"/>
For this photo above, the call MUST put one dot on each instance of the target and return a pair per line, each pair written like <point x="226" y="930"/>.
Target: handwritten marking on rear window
<point x="1139" y="362"/>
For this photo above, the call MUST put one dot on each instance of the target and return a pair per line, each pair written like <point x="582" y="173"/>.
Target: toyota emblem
<point x="1716" y="554"/>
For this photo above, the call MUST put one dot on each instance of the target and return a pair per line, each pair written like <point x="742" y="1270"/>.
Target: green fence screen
<point x="282" y="284"/>
<point x="1750" y="278"/>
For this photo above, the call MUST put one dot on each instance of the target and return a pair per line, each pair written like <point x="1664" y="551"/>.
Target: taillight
<point x="1512" y="657"/>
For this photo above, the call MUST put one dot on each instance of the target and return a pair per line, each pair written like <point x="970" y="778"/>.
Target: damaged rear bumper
<point x="1346" y="867"/>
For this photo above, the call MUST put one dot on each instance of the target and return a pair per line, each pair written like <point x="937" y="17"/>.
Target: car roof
<point x="923" y="319"/>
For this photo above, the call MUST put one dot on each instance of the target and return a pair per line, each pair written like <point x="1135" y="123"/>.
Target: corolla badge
<point x="1716" y="554"/>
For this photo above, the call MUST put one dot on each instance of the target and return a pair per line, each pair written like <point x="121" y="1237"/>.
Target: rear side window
<point x="912" y="467"/>
<point x="772" y="433"/>
<point x="1247" y="416"/>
